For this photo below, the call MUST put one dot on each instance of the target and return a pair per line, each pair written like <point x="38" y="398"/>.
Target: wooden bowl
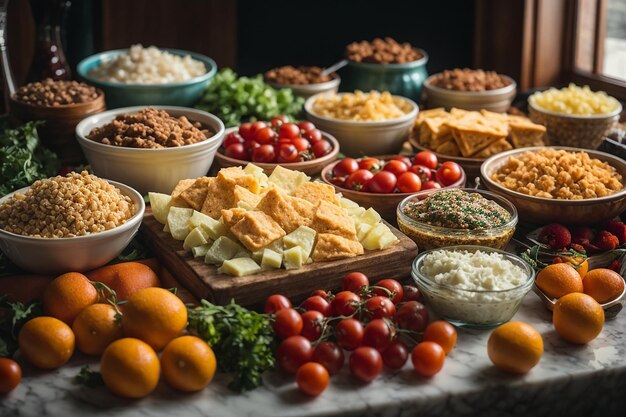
<point x="312" y="167"/>
<point x="471" y="166"/>
<point x="384" y="204"/>
<point x="58" y="131"/>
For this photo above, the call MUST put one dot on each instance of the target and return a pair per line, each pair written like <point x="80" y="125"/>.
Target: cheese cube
<point x="387" y="240"/>
<point x="303" y="237"/>
<point x="243" y="253"/>
<point x="271" y="259"/>
<point x="178" y="222"/>
<point x="362" y="229"/>
<point x="373" y="238"/>
<point x="213" y="228"/>
<point x="222" y="250"/>
<point x="160" y="205"/>
<point x="287" y="179"/>
<point x="355" y="212"/>
<point x="256" y="172"/>
<point x="257" y="255"/>
<point x="196" y="237"/>
<point x="347" y="203"/>
<point x="370" y="216"/>
<point x="239" y="267"/>
<point x="200" y="251"/>
<point x="293" y="258"/>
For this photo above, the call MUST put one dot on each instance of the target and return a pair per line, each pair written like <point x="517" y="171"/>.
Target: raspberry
<point x="618" y="229"/>
<point x="556" y="236"/>
<point x="582" y="233"/>
<point x="606" y="241"/>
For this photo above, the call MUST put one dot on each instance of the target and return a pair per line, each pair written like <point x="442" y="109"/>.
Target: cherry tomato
<point x="396" y="355"/>
<point x="251" y="145"/>
<point x="321" y="148"/>
<point x="275" y="303"/>
<point x="264" y="153"/>
<point x="396" y="167"/>
<point x="278" y="120"/>
<point x="359" y="179"/>
<point x="265" y="135"/>
<point x="354" y="282"/>
<point x="448" y="173"/>
<point x="349" y="334"/>
<point x="423" y="172"/>
<point x="378" y="334"/>
<point x="426" y="158"/>
<point x="345" y="303"/>
<point x="431" y="185"/>
<point x="413" y="316"/>
<point x="287" y="153"/>
<point x="326" y="295"/>
<point x="370" y="164"/>
<point x="288" y="322"/>
<point x="312" y="324"/>
<point x="317" y="303"/>
<point x="232" y="138"/>
<point x="382" y="182"/>
<point x="338" y="181"/>
<point x="293" y="352"/>
<point x="411" y="293"/>
<point x="391" y="285"/>
<point x="330" y="355"/>
<point x="442" y="333"/>
<point x="313" y="136"/>
<point x="312" y="379"/>
<point x="366" y="363"/>
<point x="428" y="358"/>
<point x="402" y="158"/>
<point x="305" y="126"/>
<point x="289" y="131"/>
<point x="345" y="167"/>
<point x="409" y="182"/>
<point x="257" y="126"/>
<point x="245" y="130"/>
<point x="237" y="151"/>
<point x="379" y="308"/>
<point x="10" y="375"/>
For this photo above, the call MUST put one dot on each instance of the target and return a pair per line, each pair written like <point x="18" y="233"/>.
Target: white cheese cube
<point x="256" y="172"/>
<point x="372" y="240"/>
<point x="355" y="212"/>
<point x="293" y="258"/>
<point x="212" y="227"/>
<point x="222" y="250"/>
<point x="160" y="205"/>
<point x="304" y="237"/>
<point x="239" y="267"/>
<point x="347" y="203"/>
<point x="287" y="179"/>
<point x="178" y="222"/>
<point x="362" y="229"/>
<point x="369" y="216"/>
<point x="197" y="237"/>
<point x="200" y="251"/>
<point x="387" y="239"/>
<point x="271" y="259"/>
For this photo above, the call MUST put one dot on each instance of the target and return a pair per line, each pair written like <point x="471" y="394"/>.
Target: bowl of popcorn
<point x="73" y="223"/>
<point x="558" y="184"/>
<point x="364" y="123"/>
<point x="575" y="116"/>
<point x="148" y="76"/>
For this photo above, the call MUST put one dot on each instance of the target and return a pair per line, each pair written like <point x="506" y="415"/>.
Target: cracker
<point x="289" y="212"/>
<point x="449" y="148"/>
<point x="241" y="194"/>
<point x="330" y="218"/>
<point x="231" y="216"/>
<point x="316" y="191"/>
<point x="181" y="186"/>
<point x="236" y="176"/>
<point x="257" y="230"/>
<point x="195" y="195"/>
<point x="496" y="147"/>
<point x="330" y="247"/>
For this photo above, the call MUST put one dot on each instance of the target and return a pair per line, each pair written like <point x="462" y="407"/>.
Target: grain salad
<point x="77" y="204"/>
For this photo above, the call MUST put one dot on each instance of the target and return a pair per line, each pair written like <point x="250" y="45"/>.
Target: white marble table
<point x="569" y="380"/>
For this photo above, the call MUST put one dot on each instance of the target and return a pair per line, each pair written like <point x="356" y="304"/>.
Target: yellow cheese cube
<point x="239" y="267"/>
<point x="178" y="222"/>
<point x="293" y="258"/>
<point x="222" y="250"/>
<point x="287" y="179"/>
<point x="197" y="237"/>
<point x="370" y="216"/>
<point x="200" y="251"/>
<point x="271" y="259"/>
<point x="160" y="205"/>
<point x="303" y="237"/>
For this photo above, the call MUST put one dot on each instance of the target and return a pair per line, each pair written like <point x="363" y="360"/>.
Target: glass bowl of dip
<point x="473" y="286"/>
<point x="442" y="233"/>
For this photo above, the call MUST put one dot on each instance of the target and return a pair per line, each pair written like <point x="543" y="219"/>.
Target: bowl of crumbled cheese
<point x="473" y="286"/>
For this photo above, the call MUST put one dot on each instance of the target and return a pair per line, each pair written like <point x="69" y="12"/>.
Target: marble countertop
<point x="589" y="380"/>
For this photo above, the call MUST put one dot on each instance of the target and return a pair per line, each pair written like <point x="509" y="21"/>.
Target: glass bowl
<point x="472" y="308"/>
<point x="428" y="236"/>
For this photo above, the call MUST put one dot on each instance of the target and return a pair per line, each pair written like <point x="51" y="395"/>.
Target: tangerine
<point x="515" y="347"/>
<point x="188" y="363"/>
<point x="46" y="342"/>
<point x="126" y="278"/>
<point x="603" y="285"/>
<point x="96" y="327"/>
<point x="556" y="280"/>
<point x="67" y="295"/>
<point x="578" y="318"/>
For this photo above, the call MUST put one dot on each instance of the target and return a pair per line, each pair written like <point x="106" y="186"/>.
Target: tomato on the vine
<point x="301" y="144"/>
<point x="293" y="352"/>
<point x="317" y="303"/>
<point x="424" y="173"/>
<point x="428" y="358"/>
<point x="289" y="131"/>
<point x="378" y="334"/>
<point x="312" y="379"/>
<point x="287" y="322"/>
<point x="349" y="333"/>
<point x="409" y="182"/>
<point x="287" y="153"/>
<point x="313" y="136"/>
<point x="402" y="158"/>
<point x="449" y="173"/>
<point x="366" y="363"/>
<point x="275" y="303"/>
<point x="264" y="153"/>
<point x="232" y="138"/>
<point x="370" y="164"/>
<point x="276" y="121"/>
<point x="321" y="148"/>
<point x="326" y="295"/>
<point x="396" y="167"/>
<point x="354" y="282"/>
<point x="312" y="325"/>
<point x="379" y="307"/>
<point x="442" y="333"/>
<point x="392" y="286"/>
<point x="10" y="375"/>
<point x="410" y="293"/>
<point x="413" y="316"/>
<point x="396" y="355"/>
<point x="345" y="167"/>
<point x="330" y="355"/>
<point x="345" y="303"/>
<point x="236" y="151"/>
<point x="305" y="126"/>
<point x="358" y="180"/>
<point x="383" y="182"/>
<point x="426" y="158"/>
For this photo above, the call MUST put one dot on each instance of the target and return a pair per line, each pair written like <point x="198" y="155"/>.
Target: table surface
<point x="580" y="379"/>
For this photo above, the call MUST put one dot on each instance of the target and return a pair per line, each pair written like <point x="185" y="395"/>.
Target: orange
<point x="556" y="280"/>
<point x="155" y="316"/>
<point x="46" y="342"/>
<point x="603" y="285"/>
<point x="130" y="368"/>
<point x="96" y="328"/>
<point x="126" y="278"/>
<point x="188" y="363"/>
<point x="515" y="347"/>
<point x="67" y="295"/>
<point x="578" y="318"/>
<point x="581" y="264"/>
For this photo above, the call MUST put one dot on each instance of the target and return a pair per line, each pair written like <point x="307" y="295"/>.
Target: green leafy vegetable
<point x="89" y="378"/>
<point x="239" y="99"/>
<point x="22" y="158"/>
<point x="243" y="341"/>
<point x="10" y="324"/>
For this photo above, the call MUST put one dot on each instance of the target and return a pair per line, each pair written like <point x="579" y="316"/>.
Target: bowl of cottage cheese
<point x="473" y="286"/>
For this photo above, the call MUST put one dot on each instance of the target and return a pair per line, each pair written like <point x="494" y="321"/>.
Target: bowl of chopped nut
<point x="74" y="223"/>
<point x="303" y="81"/>
<point x="150" y="148"/>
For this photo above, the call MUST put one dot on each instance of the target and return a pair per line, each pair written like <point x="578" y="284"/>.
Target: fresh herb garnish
<point x="10" y="323"/>
<point x="89" y="378"/>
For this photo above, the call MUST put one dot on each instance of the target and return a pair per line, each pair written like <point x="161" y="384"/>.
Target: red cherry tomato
<point x="426" y="158"/>
<point x="370" y="164"/>
<point x="345" y="167"/>
<point x="250" y="145"/>
<point x="378" y="334"/>
<point x="293" y="352"/>
<point x="321" y="148"/>
<point x="287" y="322"/>
<point x="278" y="120"/>
<point x="287" y="153"/>
<point x="409" y="182"/>
<point x="10" y="375"/>
<point x="379" y="308"/>
<point x="275" y="303"/>
<point x="423" y="172"/>
<point x="338" y="181"/>
<point x="392" y="286"/>
<point x="449" y="173"/>
<point x="232" y="138"/>
<point x="431" y="185"/>
<point x="402" y="158"/>
<point x="317" y="303"/>
<point x="312" y="325"/>
<point x="305" y="126"/>
<point x="354" y="282"/>
<point x="359" y="180"/>
<point x="413" y="316"/>
<point x="265" y="135"/>
<point x="264" y="153"/>
<point x="237" y="151"/>
<point x="349" y="334"/>
<point x="313" y="136"/>
<point x="312" y="379"/>
<point x="289" y="131"/>
<point x="326" y="295"/>
<point x="246" y="132"/>
<point x="301" y="144"/>
<point x="257" y="126"/>
<point x="411" y="293"/>
<point x="330" y="355"/>
<point x="442" y="333"/>
<point x="396" y="167"/>
<point x="366" y="363"/>
<point x="345" y="303"/>
<point x="428" y="358"/>
<point x="382" y="182"/>
<point x="396" y="355"/>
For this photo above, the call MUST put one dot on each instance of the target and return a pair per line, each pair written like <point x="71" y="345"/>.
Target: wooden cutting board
<point x="203" y="281"/>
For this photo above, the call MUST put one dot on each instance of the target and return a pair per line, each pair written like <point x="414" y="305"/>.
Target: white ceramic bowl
<point x="365" y="138"/>
<point x="308" y="90"/>
<point x="72" y="254"/>
<point x="150" y="169"/>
